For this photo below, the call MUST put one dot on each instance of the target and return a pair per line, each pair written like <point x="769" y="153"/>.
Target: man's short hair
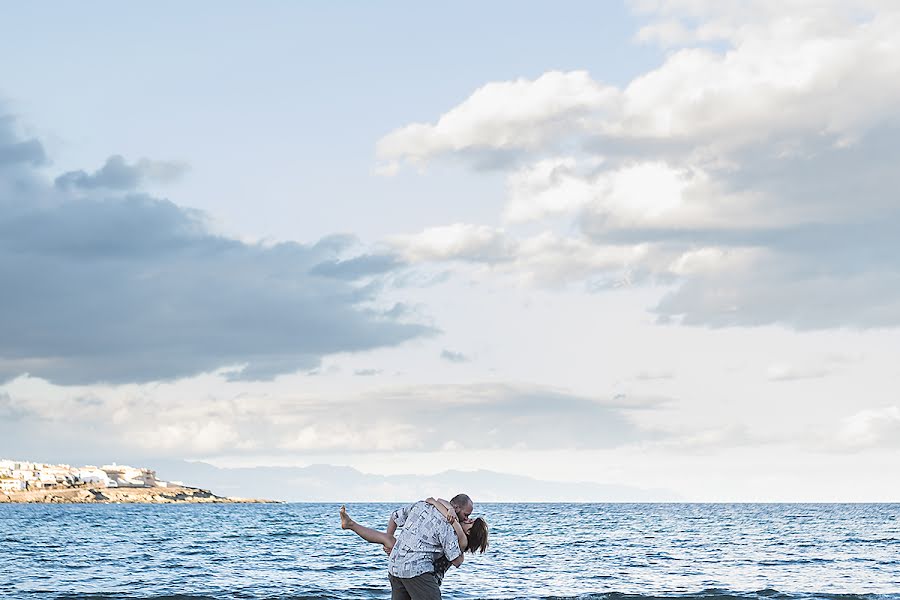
<point x="460" y="500"/>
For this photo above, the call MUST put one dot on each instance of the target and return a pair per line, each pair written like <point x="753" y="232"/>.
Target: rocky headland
<point x="123" y="495"/>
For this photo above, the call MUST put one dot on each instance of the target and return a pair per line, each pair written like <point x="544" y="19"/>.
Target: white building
<point x="25" y="475"/>
<point x="59" y="474"/>
<point x="8" y="484"/>
<point x="41" y="476"/>
<point x="125" y="476"/>
<point x="93" y="476"/>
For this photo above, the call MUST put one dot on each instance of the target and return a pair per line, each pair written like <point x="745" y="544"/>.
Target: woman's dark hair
<point x="478" y="536"/>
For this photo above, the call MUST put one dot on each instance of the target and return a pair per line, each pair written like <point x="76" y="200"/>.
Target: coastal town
<point x="23" y="481"/>
<point x="23" y="475"/>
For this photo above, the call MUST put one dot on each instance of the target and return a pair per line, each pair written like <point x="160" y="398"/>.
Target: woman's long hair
<point x="478" y="536"/>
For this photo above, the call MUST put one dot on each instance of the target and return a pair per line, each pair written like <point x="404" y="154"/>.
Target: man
<point x="425" y="538"/>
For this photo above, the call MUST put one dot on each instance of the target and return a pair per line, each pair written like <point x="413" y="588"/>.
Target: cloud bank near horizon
<point x="211" y="414"/>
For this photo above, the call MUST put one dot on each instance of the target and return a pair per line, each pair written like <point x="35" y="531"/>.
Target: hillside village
<point x="21" y="475"/>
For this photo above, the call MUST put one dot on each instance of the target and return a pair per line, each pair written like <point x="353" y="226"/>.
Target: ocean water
<point x="590" y="551"/>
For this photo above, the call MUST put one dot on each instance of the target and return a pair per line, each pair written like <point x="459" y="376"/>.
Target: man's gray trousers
<point x="420" y="587"/>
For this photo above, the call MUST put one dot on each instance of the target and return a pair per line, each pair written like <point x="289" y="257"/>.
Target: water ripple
<point x="547" y="551"/>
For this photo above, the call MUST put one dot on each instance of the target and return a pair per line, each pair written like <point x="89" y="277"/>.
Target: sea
<point x="545" y="551"/>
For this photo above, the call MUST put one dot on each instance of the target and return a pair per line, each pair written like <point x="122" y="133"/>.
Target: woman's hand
<point x="451" y="517"/>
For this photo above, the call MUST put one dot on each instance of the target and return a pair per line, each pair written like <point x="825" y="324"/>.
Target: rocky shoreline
<point x="136" y="495"/>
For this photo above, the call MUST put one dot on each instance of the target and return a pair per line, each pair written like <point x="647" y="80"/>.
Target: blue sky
<point x="647" y="244"/>
<point x="290" y="95"/>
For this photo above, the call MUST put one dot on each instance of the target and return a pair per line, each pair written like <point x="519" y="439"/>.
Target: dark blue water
<point x="596" y="551"/>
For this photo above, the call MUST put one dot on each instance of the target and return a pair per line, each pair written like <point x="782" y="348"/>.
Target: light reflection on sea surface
<point x="537" y="550"/>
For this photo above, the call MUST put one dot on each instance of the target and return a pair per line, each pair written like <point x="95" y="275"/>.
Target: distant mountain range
<point x="326" y="483"/>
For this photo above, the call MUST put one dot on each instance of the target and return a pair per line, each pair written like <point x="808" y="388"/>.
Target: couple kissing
<point x="433" y="535"/>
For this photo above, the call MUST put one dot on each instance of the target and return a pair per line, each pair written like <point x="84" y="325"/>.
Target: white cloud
<point x="786" y="372"/>
<point x="555" y="104"/>
<point x="795" y="66"/>
<point x="872" y="427"/>
<point x="665" y="33"/>
<point x="353" y="436"/>
<point x="758" y="158"/>
<point x="547" y="188"/>
<point x="547" y="259"/>
<point x="459" y="241"/>
<point x="191" y="437"/>
<point x="543" y="259"/>
<point x="654" y="376"/>
<point x="715" y="261"/>
<point x="794" y="71"/>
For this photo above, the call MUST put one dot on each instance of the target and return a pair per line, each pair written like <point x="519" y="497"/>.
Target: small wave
<point x="222" y="596"/>
<point x="357" y="593"/>
<point x="120" y="596"/>
<point x="719" y="594"/>
<point x="793" y="561"/>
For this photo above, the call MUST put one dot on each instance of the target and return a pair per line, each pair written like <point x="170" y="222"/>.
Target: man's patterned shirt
<point x="426" y="537"/>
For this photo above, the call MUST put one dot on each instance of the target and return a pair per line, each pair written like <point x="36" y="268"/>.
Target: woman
<point x="472" y="535"/>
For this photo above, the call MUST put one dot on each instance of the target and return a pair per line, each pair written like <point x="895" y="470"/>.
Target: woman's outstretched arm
<point x="447" y="510"/>
<point x="367" y="533"/>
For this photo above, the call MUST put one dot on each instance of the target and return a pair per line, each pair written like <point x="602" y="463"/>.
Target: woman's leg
<point x="367" y="533"/>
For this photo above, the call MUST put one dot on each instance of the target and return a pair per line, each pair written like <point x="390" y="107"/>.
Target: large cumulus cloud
<point x="753" y="172"/>
<point x="104" y="283"/>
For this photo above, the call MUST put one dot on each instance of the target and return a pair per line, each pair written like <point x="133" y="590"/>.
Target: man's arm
<point x="392" y="526"/>
<point x="398" y="518"/>
<point x="450" y="545"/>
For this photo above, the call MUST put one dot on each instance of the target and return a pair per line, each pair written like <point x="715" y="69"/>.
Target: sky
<point x="648" y="244"/>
